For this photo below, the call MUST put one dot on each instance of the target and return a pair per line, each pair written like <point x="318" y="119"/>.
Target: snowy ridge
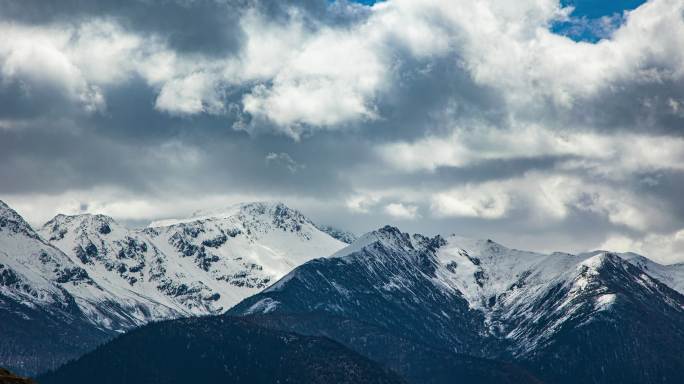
<point x="238" y="251"/>
<point x="339" y="234"/>
<point x="517" y="290"/>
<point x="195" y="266"/>
<point x="31" y="269"/>
<point x="90" y="277"/>
<point x="127" y="265"/>
<point x="508" y="293"/>
<point x="119" y="278"/>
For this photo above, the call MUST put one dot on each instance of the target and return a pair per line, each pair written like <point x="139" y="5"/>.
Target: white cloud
<point x="402" y="211"/>
<point x="609" y="155"/>
<point x="663" y="248"/>
<point x="480" y="202"/>
<point x="304" y="76"/>
<point x="34" y="58"/>
<point x="542" y="199"/>
<point x="329" y="81"/>
<point x="296" y="76"/>
<point x="361" y="203"/>
<point x="195" y="93"/>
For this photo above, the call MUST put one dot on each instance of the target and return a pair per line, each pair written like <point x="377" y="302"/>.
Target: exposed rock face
<point x="594" y="317"/>
<point x="82" y="279"/>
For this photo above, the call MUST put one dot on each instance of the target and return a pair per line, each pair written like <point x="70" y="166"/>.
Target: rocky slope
<point x="43" y="322"/>
<point x="597" y="316"/>
<point x="196" y="266"/>
<point x="85" y="278"/>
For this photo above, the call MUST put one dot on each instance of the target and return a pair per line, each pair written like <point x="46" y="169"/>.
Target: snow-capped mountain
<point x="42" y="322"/>
<point x="424" y="306"/>
<point x="236" y="252"/>
<point x="124" y="262"/>
<point x="195" y="266"/>
<point x="480" y="298"/>
<point x="110" y="278"/>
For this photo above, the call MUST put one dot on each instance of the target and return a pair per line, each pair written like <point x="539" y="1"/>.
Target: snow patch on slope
<point x="195" y="266"/>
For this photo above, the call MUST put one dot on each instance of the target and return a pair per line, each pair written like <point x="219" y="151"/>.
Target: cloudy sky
<point x="542" y="124"/>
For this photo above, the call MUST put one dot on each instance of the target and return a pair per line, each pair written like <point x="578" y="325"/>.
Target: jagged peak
<point x="82" y="217"/>
<point x="599" y="261"/>
<point x="253" y="207"/>
<point x="61" y="223"/>
<point x="390" y="235"/>
<point x="7" y="211"/>
<point x="9" y="218"/>
<point x="393" y="238"/>
<point x="274" y="211"/>
<point x="488" y="250"/>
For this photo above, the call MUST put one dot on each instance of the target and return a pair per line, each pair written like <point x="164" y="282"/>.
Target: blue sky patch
<point x="593" y="20"/>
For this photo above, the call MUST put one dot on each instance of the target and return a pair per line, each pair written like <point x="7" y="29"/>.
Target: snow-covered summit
<point x="479" y="297"/>
<point x="10" y="220"/>
<point x="275" y="212"/>
<point x="387" y="236"/>
<point x="505" y="285"/>
<point x="60" y="224"/>
<point x="193" y="266"/>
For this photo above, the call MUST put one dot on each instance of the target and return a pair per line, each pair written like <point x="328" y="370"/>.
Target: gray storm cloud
<point x="435" y="116"/>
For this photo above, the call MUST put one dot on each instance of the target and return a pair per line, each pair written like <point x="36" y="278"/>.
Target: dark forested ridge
<point x="219" y="349"/>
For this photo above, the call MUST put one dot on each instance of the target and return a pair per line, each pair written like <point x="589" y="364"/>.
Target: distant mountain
<point x="428" y="308"/>
<point x="340" y="234"/>
<point x="195" y="266"/>
<point x="42" y="322"/>
<point x="219" y="349"/>
<point x="233" y="253"/>
<point x="87" y="278"/>
<point x="594" y="317"/>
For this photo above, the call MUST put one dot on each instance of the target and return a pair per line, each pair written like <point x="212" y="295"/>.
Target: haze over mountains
<point x="396" y="306"/>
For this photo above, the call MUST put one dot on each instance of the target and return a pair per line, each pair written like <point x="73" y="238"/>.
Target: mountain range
<point x="395" y="306"/>
<point x="86" y="278"/>
<point x="598" y="317"/>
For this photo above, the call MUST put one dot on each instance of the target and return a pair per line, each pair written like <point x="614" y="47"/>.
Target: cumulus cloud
<point x="35" y="71"/>
<point x="402" y="211"/>
<point x="665" y="248"/>
<point x="468" y="116"/>
<point x="190" y="95"/>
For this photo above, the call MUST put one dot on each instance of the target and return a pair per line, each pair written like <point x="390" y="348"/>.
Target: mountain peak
<point x="254" y="207"/>
<point x="387" y="236"/>
<point x="271" y="211"/>
<point x="11" y="220"/>
<point x="7" y="212"/>
<point x="599" y="259"/>
<point x="60" y="224"/>
<point x="395" y="241"/>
